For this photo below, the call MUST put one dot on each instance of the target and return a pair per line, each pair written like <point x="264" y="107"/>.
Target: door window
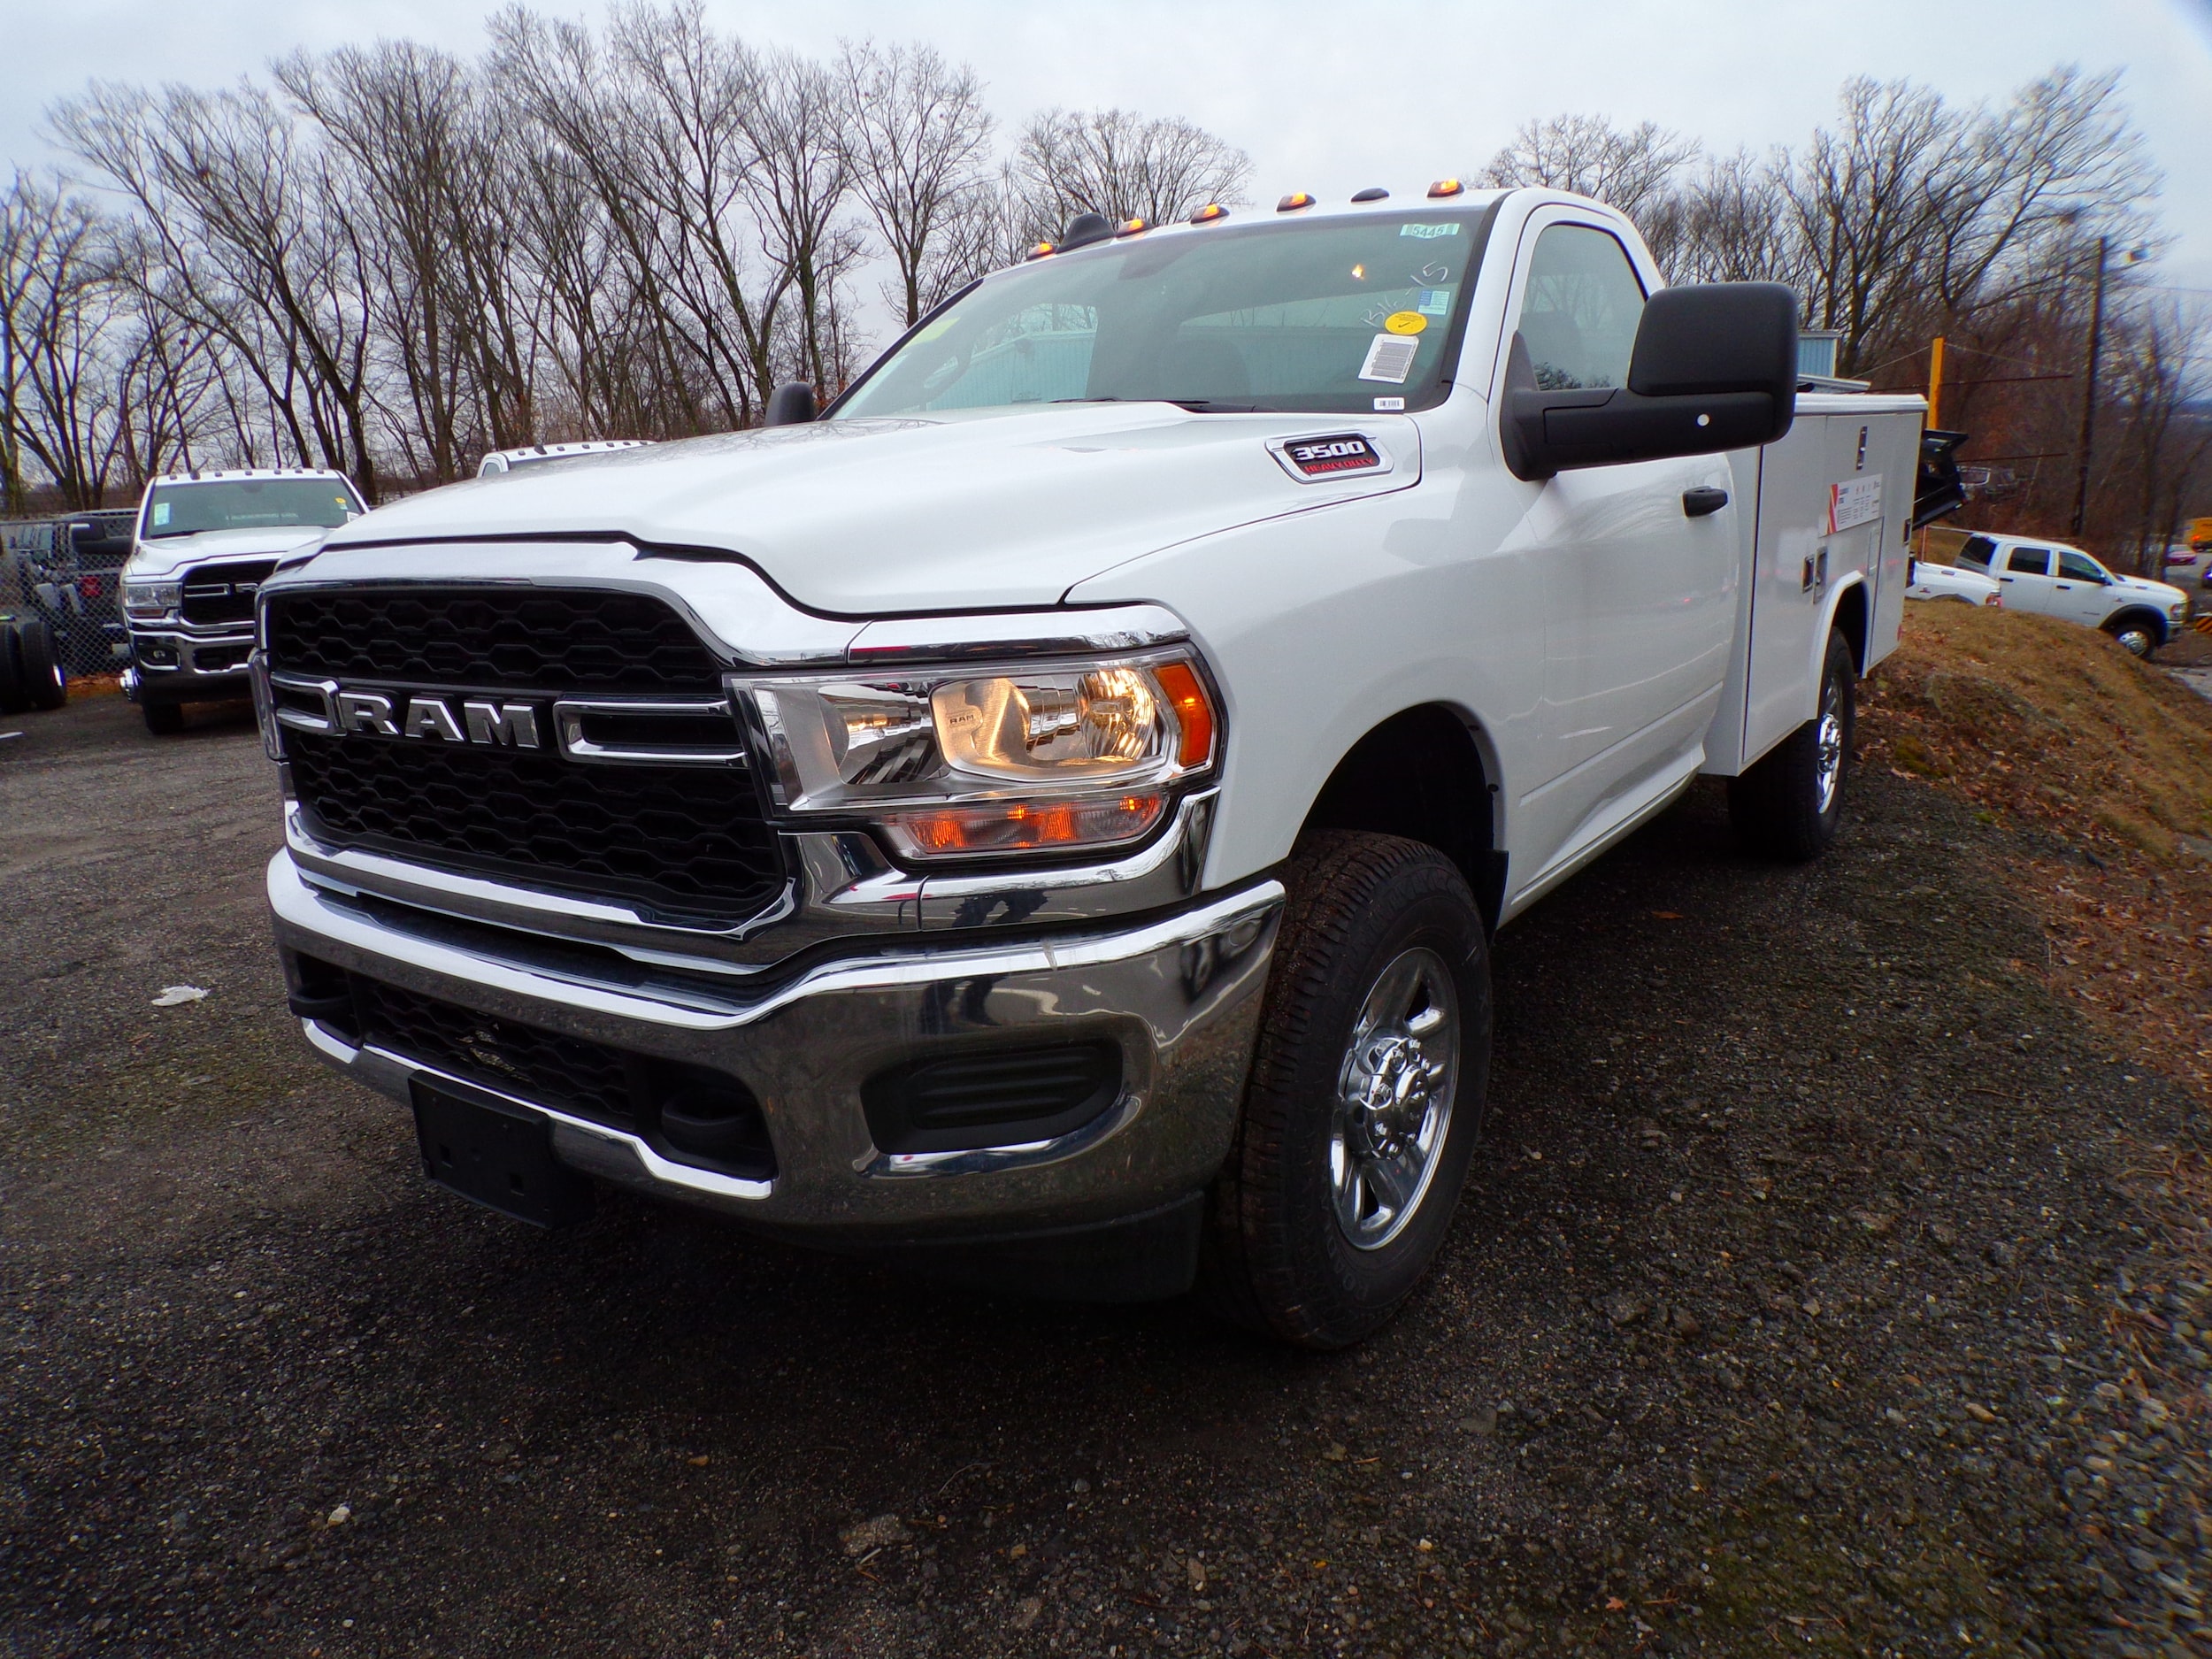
<point x="1976" y="551"/>
<point x="2030" y="561"/>
<point x="1579" y="309"/>
<point x="2079" y="567"/>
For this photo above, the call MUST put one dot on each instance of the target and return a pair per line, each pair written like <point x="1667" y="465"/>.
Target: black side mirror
<point x="84" y="534"/>
<point x="790" y="404"/>
<point x="1714" y="368"/>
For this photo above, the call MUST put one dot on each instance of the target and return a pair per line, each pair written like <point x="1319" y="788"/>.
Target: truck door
<point x="1639" y="598"/>
<point x="2077" y="589"/>
<point x="2027" y="579"/>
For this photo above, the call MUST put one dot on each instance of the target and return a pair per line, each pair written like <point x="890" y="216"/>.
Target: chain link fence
<point x="68" y="572"/>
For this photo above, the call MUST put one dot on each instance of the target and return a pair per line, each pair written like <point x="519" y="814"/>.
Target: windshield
<point x="248" y="503"/>
<point x="1336" y="315"/>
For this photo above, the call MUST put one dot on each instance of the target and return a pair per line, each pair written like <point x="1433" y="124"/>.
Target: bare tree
<point x="921" y="163"/>
<point x="1631" y="168"/>
<point x="1116" y="163"/>
<point x="260" y="246"/>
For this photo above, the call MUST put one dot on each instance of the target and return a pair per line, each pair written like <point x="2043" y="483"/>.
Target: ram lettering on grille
<point x="501" y="725"/>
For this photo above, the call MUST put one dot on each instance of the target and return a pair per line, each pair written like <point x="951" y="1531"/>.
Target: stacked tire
<point x="31" y="674"/>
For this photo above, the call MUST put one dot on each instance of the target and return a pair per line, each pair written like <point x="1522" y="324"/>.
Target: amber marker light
<point x="1193" y="713"/>
<point x="1129" y="227"/>
<point x="1207" y="214"/>
<point x="1020" y="827"/>
<point x="1446" y="187"/>
<point x="1292" y="202"/>
<point x="1042" y="250"/>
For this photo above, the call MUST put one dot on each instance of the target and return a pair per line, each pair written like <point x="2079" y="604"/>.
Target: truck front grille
<point x="224" y="593"/>
<point x="514" y="639"/>
<point x="680" y="841"/>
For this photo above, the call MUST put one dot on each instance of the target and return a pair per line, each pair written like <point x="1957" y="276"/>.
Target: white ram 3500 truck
<point x="1044" y="817"/>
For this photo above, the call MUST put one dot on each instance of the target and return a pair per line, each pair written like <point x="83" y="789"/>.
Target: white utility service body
<point x="1367" y="624"/>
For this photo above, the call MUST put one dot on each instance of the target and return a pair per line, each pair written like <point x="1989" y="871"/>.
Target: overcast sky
<point x="1325" y="97"/>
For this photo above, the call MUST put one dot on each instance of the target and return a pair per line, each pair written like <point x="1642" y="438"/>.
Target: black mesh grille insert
<point x="520" y="639"/>
<point x="584" y="1078"/>
<point x="687" y="841"/>
<point x="684" y="1113"/>
<point x="224" y="593"/>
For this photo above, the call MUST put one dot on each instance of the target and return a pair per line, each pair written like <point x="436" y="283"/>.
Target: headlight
<point x="152" y="601"/>
<point x="964" y="762"/>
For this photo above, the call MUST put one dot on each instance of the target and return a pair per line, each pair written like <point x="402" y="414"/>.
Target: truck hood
<point x="959" y="511"/>
<point x="151" y="560"/>
<point x="2164" y="595"/>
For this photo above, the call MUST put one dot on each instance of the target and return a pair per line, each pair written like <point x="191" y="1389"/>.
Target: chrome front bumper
<point x="178" y="664"/>
<point x="1181" y="996"/>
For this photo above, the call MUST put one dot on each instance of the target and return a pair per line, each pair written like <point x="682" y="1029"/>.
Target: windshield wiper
<point x="1196" y="405"/>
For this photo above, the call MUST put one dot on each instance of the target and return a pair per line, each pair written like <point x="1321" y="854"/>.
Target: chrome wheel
<point x="1828" y="747"/>
<point x="2135" y="642"/>
<point x="1394" y="1098"/>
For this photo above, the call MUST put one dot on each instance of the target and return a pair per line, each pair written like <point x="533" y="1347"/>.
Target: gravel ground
<point x="1825" y="1285"/>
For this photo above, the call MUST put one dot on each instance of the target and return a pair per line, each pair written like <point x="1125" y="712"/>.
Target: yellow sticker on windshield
<point x="935" y="329"/>
<point x="1405" y="322"/>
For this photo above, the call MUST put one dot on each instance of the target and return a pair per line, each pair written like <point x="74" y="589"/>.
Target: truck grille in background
<point x="689" y="840"/>
<point x="520" y="639"/>
<point x="681" y="841"/>
<point x="224" y="593"/>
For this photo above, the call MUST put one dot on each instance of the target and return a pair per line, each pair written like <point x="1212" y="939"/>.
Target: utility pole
<point x="2089" y="392"/>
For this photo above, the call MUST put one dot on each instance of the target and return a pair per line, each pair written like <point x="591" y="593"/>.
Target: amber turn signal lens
<point x="1193" y="713"/>
<point x="1019" y="827"/>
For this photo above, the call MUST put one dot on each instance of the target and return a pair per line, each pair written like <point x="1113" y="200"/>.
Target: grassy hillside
<point x="2106" y="764"/>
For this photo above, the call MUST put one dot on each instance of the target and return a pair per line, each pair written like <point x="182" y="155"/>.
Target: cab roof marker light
<point x="1040" y="250"/>
<point x="1209" y="213"/>
<point x="1130" y="228"/>
<point x="1292" y="202"/>
<point x="1446" y="187"/>
<point x="1372" y="193"/>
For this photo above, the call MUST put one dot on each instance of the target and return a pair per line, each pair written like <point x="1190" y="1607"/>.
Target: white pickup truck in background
<point x="1046" y="816"/>
<point x="2053" y="580"/>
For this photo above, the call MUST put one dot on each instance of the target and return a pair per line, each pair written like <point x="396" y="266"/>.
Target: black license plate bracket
<point x="497" y="1155"/>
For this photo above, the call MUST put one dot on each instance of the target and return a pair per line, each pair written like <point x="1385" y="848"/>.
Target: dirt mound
<point x="2056" y="729"/>
<point x="2047" y="721"/>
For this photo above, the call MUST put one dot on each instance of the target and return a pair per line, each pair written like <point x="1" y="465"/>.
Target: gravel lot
<point x="1825" y="1286"/>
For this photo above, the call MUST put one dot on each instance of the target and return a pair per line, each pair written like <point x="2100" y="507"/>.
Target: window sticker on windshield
<point x="1390" y="357"/>
<point x="1434" y="301"/>
<point x="161" y="514"/>
<point x="1429" y="233"/>
<point x="1405" y="322"/>
<point x="1384" y="404"/>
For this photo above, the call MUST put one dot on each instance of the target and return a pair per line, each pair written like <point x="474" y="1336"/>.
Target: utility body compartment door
<point x="1829" y="507"/>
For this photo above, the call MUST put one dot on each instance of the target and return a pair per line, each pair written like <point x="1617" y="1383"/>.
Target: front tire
<point x="1789" y="804"/>
<point x="2139" y="635"/>
<point x="1365" y="1097"/>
